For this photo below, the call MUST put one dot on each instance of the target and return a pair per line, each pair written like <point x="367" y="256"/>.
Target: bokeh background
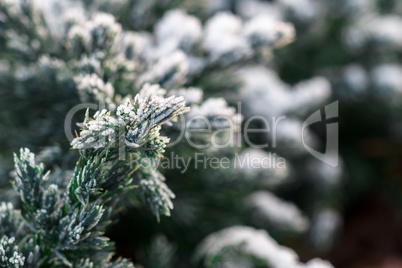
<point x="315" y="52"/>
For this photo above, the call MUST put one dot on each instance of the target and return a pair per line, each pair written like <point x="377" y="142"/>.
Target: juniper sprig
<point x="65" y="226"/>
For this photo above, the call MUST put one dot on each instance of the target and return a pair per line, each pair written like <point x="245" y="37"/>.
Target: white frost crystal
<point x="252" y="8"/>
<point x="227" y="39"/>
<point x="382" y="31"/>
<point x="253" y="244"/>
<point x="177" y="30"/>
<point x="138" y="45"/>
<point x="74" y="15"/>
<point x="168" y="71"/>
<point x="93" y="88"/>
<point x="300" y="10"/>
<point x="264" y="30"/>
<point x="310" y="94"/>
<point x="265" y="94"/>
<point x="223" y="39"/>
<point x="104" y="30"/>
<point x="267" y="210"/>
<point x="5" y="207"/>
<point x="217" y="112"/>
<point x="101" y="33"/>
<point x="79" y="38"/>
<point x="213" y="107"/>
<point x="157" y="193"/>
<point x="9" y="255"/>
<point x="318" y="263"/>
<point x="139" y="122"/>
<point x="356" y="79"/>
<point x="191" y="95"/>
<point x="265" y="169"/>
<point x="52" y="10"/>
<point x="387" y="81"/>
